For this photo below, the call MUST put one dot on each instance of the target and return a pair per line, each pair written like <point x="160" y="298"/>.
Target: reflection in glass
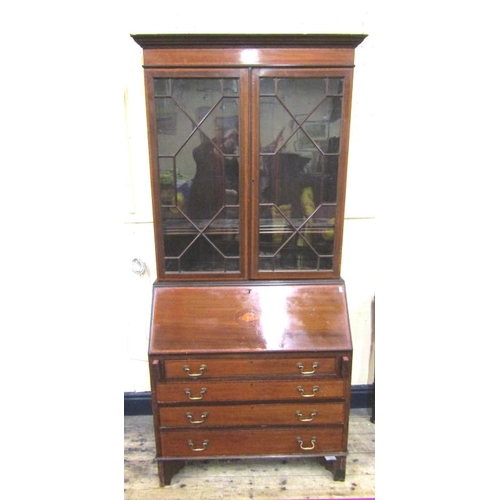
<point x="197" y="125"/>
<point x="300" y="129"/>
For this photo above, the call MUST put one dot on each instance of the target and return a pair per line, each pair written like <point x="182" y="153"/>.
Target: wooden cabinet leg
<point x="336" y="467"/>
<point x="339" y="469"/>
<point x="167" y="470"/>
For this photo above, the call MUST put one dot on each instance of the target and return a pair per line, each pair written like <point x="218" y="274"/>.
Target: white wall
<point x="358" y="261"/>
<point x="424" y="149"/>
<point x="76" y="191"/>
<point x="424" y="158"/>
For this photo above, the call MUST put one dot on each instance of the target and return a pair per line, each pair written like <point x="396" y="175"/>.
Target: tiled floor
<point x="249" y="479"/>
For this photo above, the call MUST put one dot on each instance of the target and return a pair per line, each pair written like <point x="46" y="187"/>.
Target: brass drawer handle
<point x="300" y="366"/>
<point x="301" y="390"/>
<point x="194" y="375"/>
<point x="194" y="398"/>
<point x="301" y="444"/>
<point x="313" y="414"/>
<point x="204" y="445"/>
<point x="189" y="416"/>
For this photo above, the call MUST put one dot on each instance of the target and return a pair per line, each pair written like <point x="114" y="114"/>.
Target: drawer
<point x="252" y="415"/>
<point x="200" y="443"/>
<point x="250" y="390"/>
<point x="198" y="368"/>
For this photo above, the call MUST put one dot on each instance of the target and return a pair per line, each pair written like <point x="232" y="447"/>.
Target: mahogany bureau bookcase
<point x="250" y="347"/>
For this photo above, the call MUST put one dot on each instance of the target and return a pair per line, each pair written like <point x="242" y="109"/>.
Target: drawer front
<point x="200" y="443"/>
<point x="205" y="416"/>
<point x="256" y="390"/>
<point x="204" y="368"/>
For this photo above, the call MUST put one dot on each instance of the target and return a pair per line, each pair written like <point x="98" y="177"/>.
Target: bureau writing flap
<point x="247" y="318"/>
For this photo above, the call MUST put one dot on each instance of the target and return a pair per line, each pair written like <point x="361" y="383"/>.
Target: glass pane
<point x="198" y="159"/>
<point x="162" y="87"/>
<point x="311" y="90"/>
<point x="300" y="130"/>
<point x="173" y="126"/>
<point x="335" y="86"/>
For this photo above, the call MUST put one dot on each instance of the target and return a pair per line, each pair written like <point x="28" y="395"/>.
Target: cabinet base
<point x="167" y="469"/>
<point x="336" y="465"/>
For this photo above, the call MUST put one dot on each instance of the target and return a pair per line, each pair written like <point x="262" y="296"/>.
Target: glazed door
<point x="249" y="169"/>
<point x="301" y="120"/>
<point x="199" y="131"/>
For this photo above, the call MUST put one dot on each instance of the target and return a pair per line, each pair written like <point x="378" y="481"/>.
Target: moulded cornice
<point x="150" y="41"/>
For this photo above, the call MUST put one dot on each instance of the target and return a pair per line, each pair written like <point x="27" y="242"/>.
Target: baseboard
<point x="363" y="396"/>
<point x="139" y="403"/>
